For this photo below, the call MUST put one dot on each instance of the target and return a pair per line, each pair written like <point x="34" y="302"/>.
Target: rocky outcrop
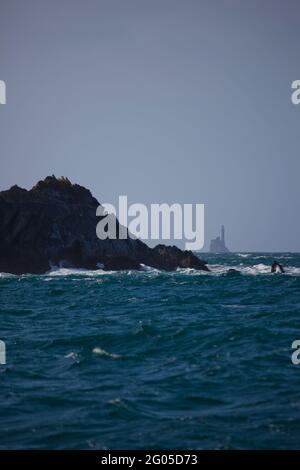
<point x="119" y="263"/>
<point x="55" y="224"/>
<point x="171" y="257"/>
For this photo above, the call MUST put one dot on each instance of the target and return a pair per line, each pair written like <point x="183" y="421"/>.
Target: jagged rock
<point x="119" y="263"/>
<point x="55" y="224"/>
<point x="171" y="257"/>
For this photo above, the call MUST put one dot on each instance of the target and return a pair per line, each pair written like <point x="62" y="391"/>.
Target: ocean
<point x="152" y="360"/>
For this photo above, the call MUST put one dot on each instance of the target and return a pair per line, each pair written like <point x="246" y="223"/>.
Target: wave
<point x="75" y="356"/>
<point x="256" y="269"/>
<point x="102" y="352"/>
<point x="71" y="355"/>
<point x="216" y="269"/>
<point x="76" y="271"/>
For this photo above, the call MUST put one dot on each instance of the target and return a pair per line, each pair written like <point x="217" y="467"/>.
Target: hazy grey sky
<point x="162" y="100"/>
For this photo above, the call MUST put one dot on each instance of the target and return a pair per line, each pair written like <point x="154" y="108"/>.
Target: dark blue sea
<point x="135" y="360"/>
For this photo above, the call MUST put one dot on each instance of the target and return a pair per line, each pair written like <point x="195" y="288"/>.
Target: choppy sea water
<point x="133" y="360"/>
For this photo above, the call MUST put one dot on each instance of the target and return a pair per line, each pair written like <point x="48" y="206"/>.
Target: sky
<point x="184" y="101"/>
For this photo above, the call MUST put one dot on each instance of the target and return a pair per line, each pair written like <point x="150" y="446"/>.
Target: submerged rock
<point x="55" y="222"/>
<point x="233" y="271"/>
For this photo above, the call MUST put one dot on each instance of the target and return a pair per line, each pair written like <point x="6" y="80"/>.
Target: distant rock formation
<point x="54" y="224"/>
<point x="217" y="245"/>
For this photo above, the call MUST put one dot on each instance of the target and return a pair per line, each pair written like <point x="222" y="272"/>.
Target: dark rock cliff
<point x="55" y="223"/>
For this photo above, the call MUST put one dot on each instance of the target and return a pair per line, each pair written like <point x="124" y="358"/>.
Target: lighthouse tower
<point x="217" y="245"/>
<point x="223" y="234"/>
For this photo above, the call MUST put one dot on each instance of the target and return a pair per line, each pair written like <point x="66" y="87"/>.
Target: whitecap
<point x="118" y="402"/>
<point x="76" y="272"/>
<point x="191" y="271"/>
<point x="292" y="270"/>
<point x="257" y="269"/>
<point x="71" y="355"/>
<point x="218" y="269"/>
<point x="102" y="352"/>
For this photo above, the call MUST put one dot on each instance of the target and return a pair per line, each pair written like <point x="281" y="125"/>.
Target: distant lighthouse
<point x="223" y="234"/>
<point x="217" y="245"/>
